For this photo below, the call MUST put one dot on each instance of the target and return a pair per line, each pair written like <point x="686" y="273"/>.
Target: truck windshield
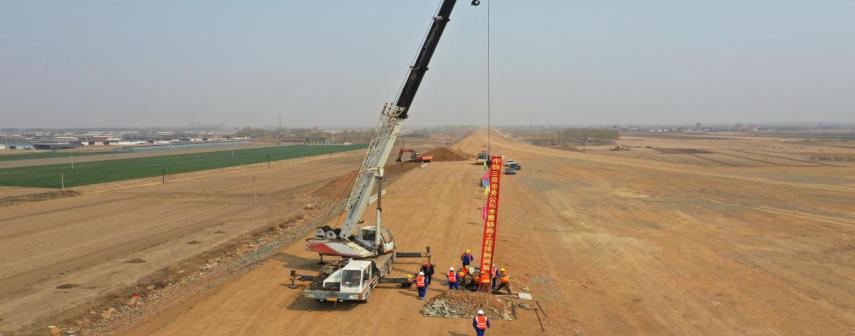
<point x="351" y="279"/>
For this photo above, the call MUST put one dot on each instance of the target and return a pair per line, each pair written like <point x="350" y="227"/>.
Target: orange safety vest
<point x="420" y="281"/>
<point x="452" y="277"/>
<point x="485" y="278"/>
<point x="506" y="278"/>
<point x="481" y="322"/>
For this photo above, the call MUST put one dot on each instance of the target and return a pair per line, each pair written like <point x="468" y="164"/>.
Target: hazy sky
<point x="333" y="63"/>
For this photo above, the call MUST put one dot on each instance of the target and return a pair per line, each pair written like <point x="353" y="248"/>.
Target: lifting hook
<point x="476" y="2"/>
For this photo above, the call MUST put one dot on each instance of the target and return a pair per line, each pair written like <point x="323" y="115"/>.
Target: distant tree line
<point x="570" y="136"/>
<point x="587" y="135"/>
<point x="255" y="133"/>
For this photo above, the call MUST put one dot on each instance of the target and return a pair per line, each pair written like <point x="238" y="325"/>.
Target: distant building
<point x="53" y="146"/>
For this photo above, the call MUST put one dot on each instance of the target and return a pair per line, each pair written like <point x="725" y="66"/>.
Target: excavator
<point x="366" y="255"/>
<point x="414" y="156"/>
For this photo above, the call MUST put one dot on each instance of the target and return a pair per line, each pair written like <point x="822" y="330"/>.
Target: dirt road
<point x="108" y="238"/>
<point x="609" y="246"/>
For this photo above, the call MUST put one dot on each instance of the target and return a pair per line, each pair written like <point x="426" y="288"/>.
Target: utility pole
<point x="72" y="159"/>
<point x="254" y="190"/>
<point x="163" y="176"/>
<point x="62" y="180"/>
<point x="268" y="160"/>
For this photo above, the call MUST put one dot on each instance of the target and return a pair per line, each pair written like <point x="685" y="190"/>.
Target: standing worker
<point x="481" y="323"/>
<point x="452" y="279"/>
<point x="504" y="281"/>
<point x="421" y="285"/>
<point x="428" y="270"/>
<point x="467" y="258"/>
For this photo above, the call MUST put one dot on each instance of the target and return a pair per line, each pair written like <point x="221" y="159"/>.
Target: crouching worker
<point x="504" y="281"/>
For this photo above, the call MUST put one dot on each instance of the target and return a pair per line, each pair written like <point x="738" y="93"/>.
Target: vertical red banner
<point x="488" y="244"/>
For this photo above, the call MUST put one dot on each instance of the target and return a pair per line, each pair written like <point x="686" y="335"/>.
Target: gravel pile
<point x="465" y="304"/>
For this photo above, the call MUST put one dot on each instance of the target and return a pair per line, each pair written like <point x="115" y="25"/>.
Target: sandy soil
<point x="86" y="241"/>
<point x="21" y="191"/>
<point x="609" y="245"/>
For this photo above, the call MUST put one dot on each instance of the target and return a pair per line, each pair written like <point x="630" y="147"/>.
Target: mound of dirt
<point x="465" y="304"/>
<point x="682" y="151"/>
<point x="338" y="188"/>
<point x="449" y="154"/>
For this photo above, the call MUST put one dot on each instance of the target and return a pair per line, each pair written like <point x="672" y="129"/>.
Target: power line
<point x="489" y="131"/>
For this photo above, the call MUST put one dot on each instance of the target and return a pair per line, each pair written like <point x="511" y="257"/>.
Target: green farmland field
<point x="85" y="173"/>
<point x="48" y="155"/>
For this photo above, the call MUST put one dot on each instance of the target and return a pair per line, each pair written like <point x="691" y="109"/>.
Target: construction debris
<point x="448" y="154"/>
<point x="464" y="304"/>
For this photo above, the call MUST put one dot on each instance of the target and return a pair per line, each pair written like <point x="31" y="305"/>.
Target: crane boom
<point x="389" y="125"/>
<point x="420" y="67"/>
<point x="366" y="258"/>
<point x="371" y="170"/>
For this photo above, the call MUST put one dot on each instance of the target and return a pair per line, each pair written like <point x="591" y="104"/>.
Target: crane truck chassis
<point x="352" y="279"/>
<point x="366" y="257"/>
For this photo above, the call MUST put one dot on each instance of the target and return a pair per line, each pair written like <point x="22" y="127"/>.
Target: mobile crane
<point x="366" y="257"/>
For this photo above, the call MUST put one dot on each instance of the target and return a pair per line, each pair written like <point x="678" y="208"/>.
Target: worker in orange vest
<point x="421" y="285"/>
<point x="504" y="281"/>
<point x="453" y="282"/>
<point x="484" y="282"/>
<point x="481" y="323"/>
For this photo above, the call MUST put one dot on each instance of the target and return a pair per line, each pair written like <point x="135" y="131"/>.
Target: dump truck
<point x="482" y="158"/>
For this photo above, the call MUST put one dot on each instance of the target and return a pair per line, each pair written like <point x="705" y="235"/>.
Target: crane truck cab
<point x="353" y="282"/>
<point x="368" y="235"/>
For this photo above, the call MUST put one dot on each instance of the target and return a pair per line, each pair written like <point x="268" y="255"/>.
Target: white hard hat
<point x="421" y="273"/>
<point x="480" y="312"/>
<point x="451" y="268"/>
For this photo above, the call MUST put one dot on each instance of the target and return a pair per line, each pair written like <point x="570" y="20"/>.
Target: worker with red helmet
<point x="453" y="282"/>
<point x="428" y="270"/>
<point x="481" y="323"/>
<point x="421" y="285"/>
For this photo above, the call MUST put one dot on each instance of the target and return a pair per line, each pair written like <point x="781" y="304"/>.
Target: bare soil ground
<point x="735" y="151"/>
<point x="608" y="244"/>
<point x="60" y="253"/>
<point x="21" y="191"/>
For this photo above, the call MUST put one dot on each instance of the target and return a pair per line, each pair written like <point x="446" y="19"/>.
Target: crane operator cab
<point x="368" y="235"/>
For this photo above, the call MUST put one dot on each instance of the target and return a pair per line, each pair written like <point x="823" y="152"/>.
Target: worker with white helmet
<point x="481" y="323"/>
<point x="453" y="281"/>
<point x="421" y="285"/>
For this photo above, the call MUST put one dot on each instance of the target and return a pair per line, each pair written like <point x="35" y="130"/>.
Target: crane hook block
<point x="476" y="2"/>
